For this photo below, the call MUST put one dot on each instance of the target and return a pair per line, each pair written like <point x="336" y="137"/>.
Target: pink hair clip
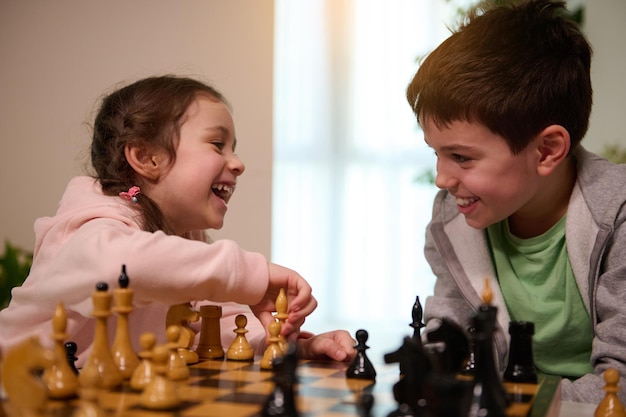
<point x="131" y="195"/>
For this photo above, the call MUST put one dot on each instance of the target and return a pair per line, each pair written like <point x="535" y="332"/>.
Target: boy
<point x="504" y="102"/>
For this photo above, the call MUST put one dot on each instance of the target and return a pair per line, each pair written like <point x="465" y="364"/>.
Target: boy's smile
<point x="478" y="168"/>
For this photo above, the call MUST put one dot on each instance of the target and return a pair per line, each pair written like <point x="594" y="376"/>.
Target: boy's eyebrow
<point x="457" y="148"/>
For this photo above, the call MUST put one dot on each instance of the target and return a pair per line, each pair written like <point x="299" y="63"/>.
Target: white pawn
<point x="610" y="406"/>
<point x="145" y="372"/>
<point x="160" y="393"/>
<point x="177" y="369"/>
<point x="274" y="350"/>
<point x="89" y="406"/>
<point x="240" y="349"/>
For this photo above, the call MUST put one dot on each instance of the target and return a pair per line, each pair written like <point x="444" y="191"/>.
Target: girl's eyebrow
<point x="224" y="131"/>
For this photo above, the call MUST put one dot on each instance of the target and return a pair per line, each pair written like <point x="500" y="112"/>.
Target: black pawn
<point x="70" y="352"/>
<point x="361" y="367"/>
<point x="282" y="402"/>
<point x="521" y="366"/>
<point x="365" y="405"/>
<point x="417" y="324"/>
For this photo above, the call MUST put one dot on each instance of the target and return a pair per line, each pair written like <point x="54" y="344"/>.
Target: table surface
<point x="242" y="387"/>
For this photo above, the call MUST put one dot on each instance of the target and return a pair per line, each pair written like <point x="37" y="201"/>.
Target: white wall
<point x="58" y="57"/>
<point x="605" y="26"/>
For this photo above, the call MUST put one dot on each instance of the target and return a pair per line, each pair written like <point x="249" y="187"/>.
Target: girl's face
<point x="477" y="167"/>
<point x="194" y="191"/>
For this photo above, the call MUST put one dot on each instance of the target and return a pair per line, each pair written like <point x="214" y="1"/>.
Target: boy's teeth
<point x="465" y="201"/>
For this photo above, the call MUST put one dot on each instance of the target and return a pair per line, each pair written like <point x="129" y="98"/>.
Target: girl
<point x="163" y="152"/>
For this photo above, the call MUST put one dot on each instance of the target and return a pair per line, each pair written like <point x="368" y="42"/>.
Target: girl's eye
<point x="218" y="145"/>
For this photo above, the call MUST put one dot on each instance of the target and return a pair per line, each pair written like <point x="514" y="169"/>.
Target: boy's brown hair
<point x="515" y="69"/>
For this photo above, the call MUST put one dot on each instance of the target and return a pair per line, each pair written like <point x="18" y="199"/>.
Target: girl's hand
<point x="300" y="301"/>
<point x="337" y="345"/>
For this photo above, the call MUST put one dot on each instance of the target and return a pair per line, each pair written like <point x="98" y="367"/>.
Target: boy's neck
<point x="550" y="203"/>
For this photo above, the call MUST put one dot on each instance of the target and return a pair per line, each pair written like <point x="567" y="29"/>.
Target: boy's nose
<point x="444" y="179"/>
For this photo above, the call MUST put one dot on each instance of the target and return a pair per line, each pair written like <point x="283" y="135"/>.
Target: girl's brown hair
<point x="147" y="112"/>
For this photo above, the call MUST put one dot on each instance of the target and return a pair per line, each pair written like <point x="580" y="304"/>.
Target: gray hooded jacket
<point x="596" y="243"/>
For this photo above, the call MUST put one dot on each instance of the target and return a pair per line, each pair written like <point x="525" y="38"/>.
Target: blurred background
<point x="337" y="175"/>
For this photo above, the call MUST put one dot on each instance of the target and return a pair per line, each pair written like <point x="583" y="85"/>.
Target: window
<point x="349" y="212"/>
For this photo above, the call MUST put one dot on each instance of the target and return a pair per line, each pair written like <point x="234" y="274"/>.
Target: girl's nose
<point x="236" y="165"/>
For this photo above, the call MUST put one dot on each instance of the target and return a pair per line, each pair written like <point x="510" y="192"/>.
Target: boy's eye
<point x="460" y="158"/>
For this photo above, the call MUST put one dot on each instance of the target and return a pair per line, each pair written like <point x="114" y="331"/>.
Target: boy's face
<point x="480" y="171"/>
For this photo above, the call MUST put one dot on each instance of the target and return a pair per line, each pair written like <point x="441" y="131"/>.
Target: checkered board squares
<point x="239" y="389"/>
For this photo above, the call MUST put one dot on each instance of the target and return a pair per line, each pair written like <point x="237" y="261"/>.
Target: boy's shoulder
<point x="601" y="182"/>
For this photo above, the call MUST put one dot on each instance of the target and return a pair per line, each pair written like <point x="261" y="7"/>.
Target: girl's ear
<point x="553" y="146"/>
<point x="146" y="162"/>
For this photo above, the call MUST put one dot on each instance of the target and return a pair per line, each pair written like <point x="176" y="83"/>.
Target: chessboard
<point x="218" y="388"/>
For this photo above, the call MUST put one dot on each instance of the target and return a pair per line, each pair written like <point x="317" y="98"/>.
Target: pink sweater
<point x="89" y="239"/>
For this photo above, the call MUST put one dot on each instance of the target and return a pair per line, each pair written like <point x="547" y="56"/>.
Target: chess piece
<point x="453" y="346"/>
<point x="145" y="372"/>
<point x="489" y="393"/>
<point x="177" y="369"/>
<point x="182" y="315"/>
<point x="122" y="350"/>
<point x="24" y="390"/>
<point x="88" y="404"/>
<point x="361" y="367"/>
<point x="468" y="370"/>
<point x="160" y="393"/>
<point x="448" y="396"/>
<point x="70" y="353"/>
<point x="415" y="368"/>
<point x="417" y="313"/>
<point x="60" y="379"/>
<point x="281" y="316"/>
<point x="281" y="402"/>
<point x="610" y="405"/>
<point x="521" y="365"/>
<point x="210" y="343"/>
<point x="365" y="404"/>
<point x="100" y="356"/>
<point x="240" y="349"/>
<point x="273" y="350"/>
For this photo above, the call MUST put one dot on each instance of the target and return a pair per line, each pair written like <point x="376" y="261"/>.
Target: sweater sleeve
<point x="163" y="270"/>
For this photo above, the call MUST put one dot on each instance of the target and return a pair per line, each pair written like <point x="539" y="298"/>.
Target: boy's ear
<point x="553" y="146"/>
<point x="146" y="162"/>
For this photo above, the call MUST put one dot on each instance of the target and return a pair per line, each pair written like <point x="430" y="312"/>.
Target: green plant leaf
<point x="15" y="266"/>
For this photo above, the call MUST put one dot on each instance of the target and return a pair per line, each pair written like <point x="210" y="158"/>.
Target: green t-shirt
<point x="538" y="285"/>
